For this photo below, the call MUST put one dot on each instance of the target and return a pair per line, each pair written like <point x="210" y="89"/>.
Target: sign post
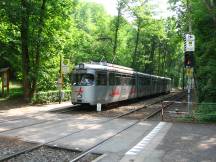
<point x="189" y="63"/>
<point x="5" y="80"/>
<point x="65" y="66"/>
<point x="64" y="69"/>
<point x="60" y="80"/>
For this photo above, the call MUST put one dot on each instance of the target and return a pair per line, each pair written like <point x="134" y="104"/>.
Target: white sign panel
<point x="65" y="66"/>
<point x="189" y="43"/>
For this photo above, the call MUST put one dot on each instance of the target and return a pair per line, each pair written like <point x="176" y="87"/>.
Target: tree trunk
<point x="25" y="51"/>
<point x="151" y="58"/>
<point x="164" y="62"/>
<point x="211" y="4"/>
<point x="134" y="63"/>
<point x="117" y="29"/>
<point x="37" y="50"/>
<point x="159" y="59"/>
<point x="183" y="78"/>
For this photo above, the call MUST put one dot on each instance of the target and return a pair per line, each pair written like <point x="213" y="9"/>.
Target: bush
<point x="51" y="96"/>
<point x="206" y="112"/>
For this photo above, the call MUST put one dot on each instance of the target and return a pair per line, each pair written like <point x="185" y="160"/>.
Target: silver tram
<point x="104" y="83"/>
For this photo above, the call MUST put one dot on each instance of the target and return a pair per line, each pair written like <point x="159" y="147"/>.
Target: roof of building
<point x="4" y="69"/>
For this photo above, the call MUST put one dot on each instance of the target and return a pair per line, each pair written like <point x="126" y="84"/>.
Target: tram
<point x="104" y="83"/>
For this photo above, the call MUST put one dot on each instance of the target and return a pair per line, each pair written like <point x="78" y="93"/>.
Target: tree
<point x="203" y="23"/>
<point x="35" y="33"/>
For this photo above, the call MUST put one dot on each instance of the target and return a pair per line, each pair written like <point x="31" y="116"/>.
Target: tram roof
<point x="113" y="67"/>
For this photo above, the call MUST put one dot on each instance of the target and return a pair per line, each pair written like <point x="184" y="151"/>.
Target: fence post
<point x="162" y="112"/>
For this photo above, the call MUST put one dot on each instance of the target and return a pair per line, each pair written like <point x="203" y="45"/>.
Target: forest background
<point x="35" y="33"/>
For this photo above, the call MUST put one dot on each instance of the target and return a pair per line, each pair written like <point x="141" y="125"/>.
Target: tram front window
<point x="83" y="80"/>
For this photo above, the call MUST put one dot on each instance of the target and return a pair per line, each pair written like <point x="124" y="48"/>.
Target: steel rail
<point x="24" y="126"/>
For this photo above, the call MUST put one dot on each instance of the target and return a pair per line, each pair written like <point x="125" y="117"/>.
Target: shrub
<point x="51" y="96"/>
<point x="206" y="112"/>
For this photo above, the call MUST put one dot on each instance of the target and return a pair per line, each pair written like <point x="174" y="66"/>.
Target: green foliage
<point x="203" y="17"/>
<point x="14" y="91"/>
<point x="50" y="96"/>
<point x="82" y="31"/>
<point x="206" y="112"/>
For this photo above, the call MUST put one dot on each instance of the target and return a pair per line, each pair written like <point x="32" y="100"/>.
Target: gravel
<point x="120" y="108"/>
<point x="50" y="154"/>
<point x="10" y="146"/>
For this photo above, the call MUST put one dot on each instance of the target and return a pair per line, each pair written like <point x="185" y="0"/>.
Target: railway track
<point x="84" y="153"/>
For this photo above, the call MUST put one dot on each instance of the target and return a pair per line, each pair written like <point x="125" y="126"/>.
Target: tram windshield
<point x="83" y="79"/>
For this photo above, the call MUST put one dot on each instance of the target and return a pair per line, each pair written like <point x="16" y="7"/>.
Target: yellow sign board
<point x="189" y="72"/>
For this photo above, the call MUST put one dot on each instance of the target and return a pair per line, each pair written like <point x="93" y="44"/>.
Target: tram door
<point x="101" y="87"/>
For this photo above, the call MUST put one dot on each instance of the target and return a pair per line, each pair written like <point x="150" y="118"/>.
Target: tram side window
<point x="83" y="79"/>
<point x="141" y="81"/>
<point x="147" y="81"/>
<point x="128" y="78"/>
<point x="125" y="80"/>
<point x="154" y="82"/>
<point x="117" y="79"/>
<point x="111" y="79"/>
<point x="101" y="79"/>
<point x="133" y="81"/>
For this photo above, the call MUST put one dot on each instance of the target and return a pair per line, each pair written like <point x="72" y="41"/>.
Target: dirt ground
<point x="7" y="104"/>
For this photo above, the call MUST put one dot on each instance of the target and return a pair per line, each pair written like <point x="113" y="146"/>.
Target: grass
<point x="15" y="91"/>
<point x="187" y="118"/>
<point x="205" y="112"/>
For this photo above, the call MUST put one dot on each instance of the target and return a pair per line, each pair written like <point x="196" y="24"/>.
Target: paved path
<point x="174" y="143"/>
<point x="27" y="110"/>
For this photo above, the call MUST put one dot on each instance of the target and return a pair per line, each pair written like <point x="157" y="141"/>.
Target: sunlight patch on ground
<point x="207" y="144"/>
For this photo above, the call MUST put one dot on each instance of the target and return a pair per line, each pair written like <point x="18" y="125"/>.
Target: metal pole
<point x="189" y="77"/>
<point x="162" y="112"/>
<point x="60" y="86"/>
<point x="183" y="78"/>
<point x="2" y="84"/>
<point x="8" y="82"/>
<point x="188" y="94"/>
<point x="189" y="17"/>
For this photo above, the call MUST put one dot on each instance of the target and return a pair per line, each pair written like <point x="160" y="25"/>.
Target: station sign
<point x="189" y="43"/>
<point x="65" y="66"/>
